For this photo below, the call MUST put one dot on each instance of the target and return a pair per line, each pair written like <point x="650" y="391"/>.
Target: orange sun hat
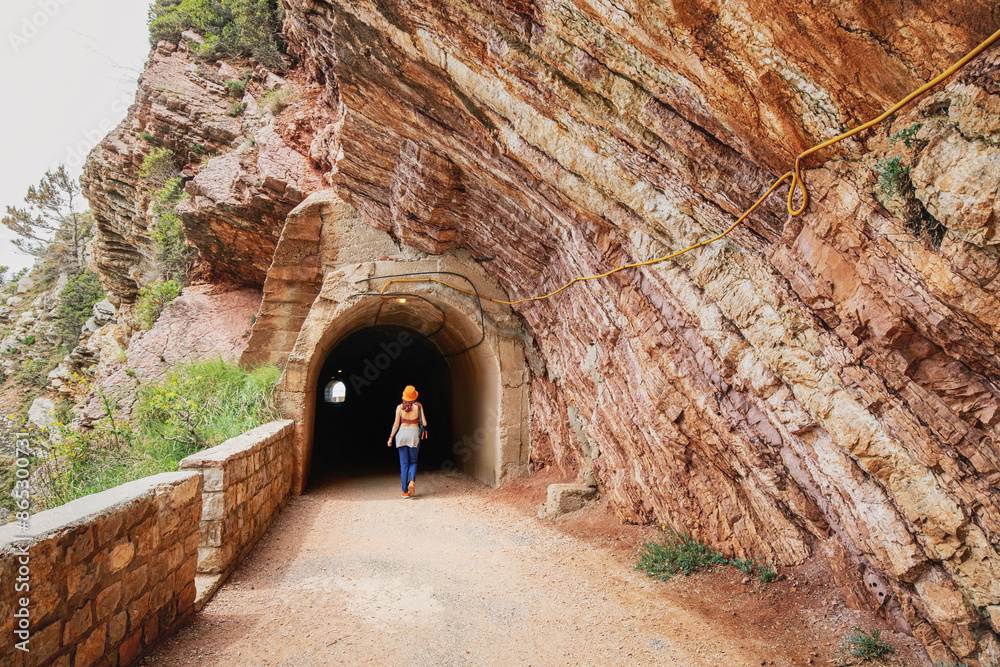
<point x="410" y="393"/>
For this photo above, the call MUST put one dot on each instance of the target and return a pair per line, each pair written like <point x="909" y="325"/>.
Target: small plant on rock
<point x="907" y="135"/>
<point x="237" y="109"/>
<point x="893" y="176"/>
<point x="152" y="300"/>
<point x="678" y="553"/>
<point x="277" y="100"/>
<point x="158" y="166"/>
<point x="863" y="645"/>
<point x="236" y="87"/>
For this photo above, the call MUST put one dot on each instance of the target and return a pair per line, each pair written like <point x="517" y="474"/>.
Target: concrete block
<point x="134" y="583"/>
<point x="138" y="610"/>
<point x="46" y="642"/>
<point x="563" y="498"/>
<point x="213" y="506"/>
<point x="82" y="545"/>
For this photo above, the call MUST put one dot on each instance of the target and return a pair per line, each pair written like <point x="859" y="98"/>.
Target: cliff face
<point x="242" y="173"/>
<point x="826" y="383"/>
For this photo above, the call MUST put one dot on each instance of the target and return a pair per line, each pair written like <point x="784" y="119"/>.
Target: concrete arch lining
<point x="487" y="363"/>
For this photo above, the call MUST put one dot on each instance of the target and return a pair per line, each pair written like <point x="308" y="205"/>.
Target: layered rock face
<point x="243" y="171"/>
<point x="821" y="384"/>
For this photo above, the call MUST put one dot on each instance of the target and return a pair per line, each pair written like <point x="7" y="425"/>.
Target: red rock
<point x="828" y="379"/>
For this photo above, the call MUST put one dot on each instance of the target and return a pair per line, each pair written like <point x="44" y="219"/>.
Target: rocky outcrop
<point x="824" y="384"/>
<point x="204" y="322"/>
<point x="243" y="170"/>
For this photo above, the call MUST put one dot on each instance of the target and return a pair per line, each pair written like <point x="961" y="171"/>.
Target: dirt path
<point x="353" y="574"/>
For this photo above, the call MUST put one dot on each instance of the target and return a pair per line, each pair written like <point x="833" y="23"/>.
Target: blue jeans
<point x="408" y="464"/>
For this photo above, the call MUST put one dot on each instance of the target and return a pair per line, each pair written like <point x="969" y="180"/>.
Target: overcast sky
<point x="69" y="71"/>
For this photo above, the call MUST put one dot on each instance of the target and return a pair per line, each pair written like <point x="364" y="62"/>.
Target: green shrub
<point x="863" y="645"/>
<point x="152" y="300"/>
<point x="197" y="149"/>
<point x="745" y="566"/>
<point x="32" y="372"/>
<point x="193" y="406"/>
<point x="76" y="303"/>
<point x="147" y="137"/>
<point x="677" y="554"/>
<point x="236" y="87"/>
<point x="90" y="461"/>
<point x="158" y="166"/>
<point x="29" y="339"/>
<point x="231" y="28"/>
<point x="766" y="573"/>
<point x="278" y="100"/>
<point x="237" y="109"/>
<point x="171" y="248"/>
<point x="171" y="192"/>
<point x="172" y="251"/>
<point x="906" y="135"/>
<point x="893" y="176"/>
<point x="206" y="403"/>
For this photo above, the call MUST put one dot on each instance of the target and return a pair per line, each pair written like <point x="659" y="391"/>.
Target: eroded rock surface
<point x="243" y="172"/>
<point x="825" y="383"/>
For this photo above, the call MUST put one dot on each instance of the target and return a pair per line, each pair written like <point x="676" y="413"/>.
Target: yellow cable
<point x="795" y="175"/>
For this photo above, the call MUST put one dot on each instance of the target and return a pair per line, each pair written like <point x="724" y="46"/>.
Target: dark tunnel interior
<point x="375" y="364"/>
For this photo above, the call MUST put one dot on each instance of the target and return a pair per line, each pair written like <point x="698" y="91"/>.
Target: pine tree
<point x="51" y="219"/>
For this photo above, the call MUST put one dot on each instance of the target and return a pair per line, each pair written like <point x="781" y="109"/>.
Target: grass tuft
<point x="677" y="554"/>
<point x="863" y="645"/>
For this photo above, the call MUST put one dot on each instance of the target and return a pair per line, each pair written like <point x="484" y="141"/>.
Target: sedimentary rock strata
<point x="243" y="172"/>
<point x="826" y="379"/>
<point x="822" y="384"/>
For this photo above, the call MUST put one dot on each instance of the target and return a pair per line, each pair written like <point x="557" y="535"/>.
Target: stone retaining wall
<point x="247" y="481"/>
<point x="107" y="574"/>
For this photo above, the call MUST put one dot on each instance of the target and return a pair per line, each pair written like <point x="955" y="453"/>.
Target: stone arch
<point x="483" y="347"/>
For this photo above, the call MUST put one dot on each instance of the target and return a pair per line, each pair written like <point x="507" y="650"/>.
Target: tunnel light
<point x="401" y="300"/>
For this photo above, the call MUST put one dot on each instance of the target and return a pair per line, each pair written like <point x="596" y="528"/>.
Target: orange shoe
<point x="405" y="494"/>
<point x="412" y="489"/>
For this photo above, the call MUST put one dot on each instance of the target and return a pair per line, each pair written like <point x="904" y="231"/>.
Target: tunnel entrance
<point x="465" y="356"/>
<point x="375" y="364"/>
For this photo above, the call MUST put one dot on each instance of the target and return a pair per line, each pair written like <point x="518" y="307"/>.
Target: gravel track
<point x="353" y="574"/>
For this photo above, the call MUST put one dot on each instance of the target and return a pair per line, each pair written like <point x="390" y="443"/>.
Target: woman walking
<point x="406" y="430"/>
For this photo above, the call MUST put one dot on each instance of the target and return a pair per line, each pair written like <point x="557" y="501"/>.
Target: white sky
<point x="68" y="70"/>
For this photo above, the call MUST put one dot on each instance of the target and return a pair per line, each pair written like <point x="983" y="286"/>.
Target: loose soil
<point x="351" y="573"/>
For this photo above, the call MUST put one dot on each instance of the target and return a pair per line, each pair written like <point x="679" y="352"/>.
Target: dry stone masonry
<point x="111" y="574"/>
<point x="108" y="575"/>
<point x="247" y="481"/>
